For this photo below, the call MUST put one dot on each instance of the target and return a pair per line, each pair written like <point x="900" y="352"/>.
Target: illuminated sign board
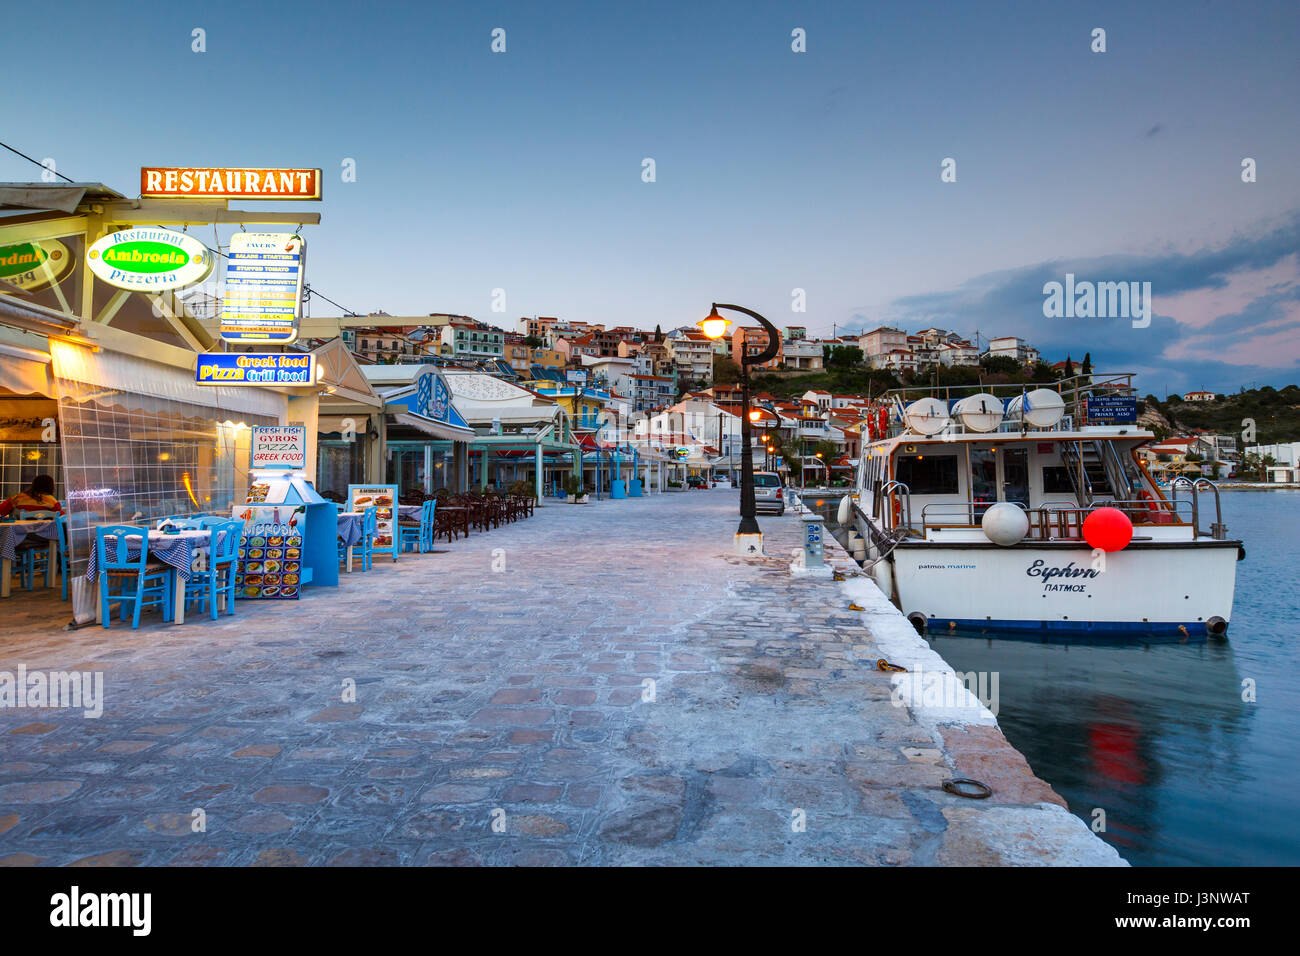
<point x="149" y="259"/>
<point x="34" y="265"/>
<point x="255" y="368"/>
<point x="214" y="182"/>
<point x="1110" y="410"/>
<point x="279" y="447"/>
<point x="263" y="295"/>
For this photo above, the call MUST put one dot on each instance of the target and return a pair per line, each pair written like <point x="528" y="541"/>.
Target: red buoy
<point x="1108" y="529"/>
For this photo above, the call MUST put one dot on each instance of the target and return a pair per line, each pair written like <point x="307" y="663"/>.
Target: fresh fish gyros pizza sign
<point x="149" y="259"/>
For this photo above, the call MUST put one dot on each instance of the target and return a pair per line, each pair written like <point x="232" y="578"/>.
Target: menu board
<point x="383" y="498"/>
<point x="270" y="555"/>
<point x="279" y="447"/>
<point x="263" y="296"/>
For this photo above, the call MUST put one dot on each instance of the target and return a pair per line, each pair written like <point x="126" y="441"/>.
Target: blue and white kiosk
<point x="282" y="497"/>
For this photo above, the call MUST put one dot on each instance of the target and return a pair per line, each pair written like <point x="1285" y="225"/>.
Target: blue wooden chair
<point x="34" y="560"/>
<point x="218" y="577"/>
<point x="418" y="531"/>
<point x="369" y="524"/>
<point x="140" y="584"/>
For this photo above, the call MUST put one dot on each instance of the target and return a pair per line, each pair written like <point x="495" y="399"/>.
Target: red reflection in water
<point x="1114" y="752"/>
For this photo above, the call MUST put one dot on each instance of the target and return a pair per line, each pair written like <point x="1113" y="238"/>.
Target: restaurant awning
<point x="64" y="198"/>
<point x="432" y="428"/>
<point x="25" y="371"/>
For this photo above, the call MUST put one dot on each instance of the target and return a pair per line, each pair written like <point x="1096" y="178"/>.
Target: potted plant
<point x="577" y="494"/>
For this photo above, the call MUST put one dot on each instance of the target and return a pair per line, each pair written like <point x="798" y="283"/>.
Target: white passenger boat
<point x="975" y="509"/>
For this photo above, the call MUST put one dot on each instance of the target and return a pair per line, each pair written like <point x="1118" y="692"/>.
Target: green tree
<point x="1069" y="368"/>
<point x="534" y="341"/>
<point x="725" y="371"/>
<point x="1086" y="367"/>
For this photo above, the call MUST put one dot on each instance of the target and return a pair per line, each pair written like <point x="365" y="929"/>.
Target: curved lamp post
<point x="714" y="326"/>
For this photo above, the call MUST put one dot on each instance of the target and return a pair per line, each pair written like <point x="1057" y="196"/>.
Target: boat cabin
<point x="935" y="479"/>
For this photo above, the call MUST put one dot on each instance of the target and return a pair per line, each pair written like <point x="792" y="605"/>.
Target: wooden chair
<point x="418" y="531"/>
<point x="217" y="579"/>
<point x="140" y="583"/>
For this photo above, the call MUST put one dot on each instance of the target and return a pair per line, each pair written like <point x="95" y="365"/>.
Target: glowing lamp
<point x="754" y="414"/>
<point x="1108" y="529"/>
<point x="713" y="325"/>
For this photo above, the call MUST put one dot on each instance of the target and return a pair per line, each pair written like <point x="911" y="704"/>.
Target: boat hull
<point x="1176" y="588"/>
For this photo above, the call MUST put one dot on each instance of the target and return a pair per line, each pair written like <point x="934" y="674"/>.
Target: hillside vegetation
<point x="1275" y="412"/>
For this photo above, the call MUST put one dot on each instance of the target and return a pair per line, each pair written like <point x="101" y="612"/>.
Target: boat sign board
<point x="217" y="182"/>
<point x="279" y="447"/>
<point x="255" y="368"/>
<point x="149" y="259"/>
<point x="1110" y="410"/>
<point x="263" y="294"/>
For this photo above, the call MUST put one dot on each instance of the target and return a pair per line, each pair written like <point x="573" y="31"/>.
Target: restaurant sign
<point x="34" y="265"/>
<point x="219" y="182"/>
<point x="263" y="295"/>
<point x="149" y="259"/>
<point x="279" y="447"/>
<point x="255" y="368"/>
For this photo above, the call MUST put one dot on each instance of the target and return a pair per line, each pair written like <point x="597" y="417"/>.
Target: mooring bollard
<point x="813" y="550"/>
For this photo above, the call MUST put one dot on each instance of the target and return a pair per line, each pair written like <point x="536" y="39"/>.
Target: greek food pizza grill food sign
<point x="149" y="260"/>
<point x="263" y="297"/>
<point x="279" y="447"/>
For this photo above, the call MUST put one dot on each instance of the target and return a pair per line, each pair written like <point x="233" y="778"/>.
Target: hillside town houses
<point x="593" y="375"/>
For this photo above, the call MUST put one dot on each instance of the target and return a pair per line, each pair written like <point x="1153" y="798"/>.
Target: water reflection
<point x="1141" y="731"/>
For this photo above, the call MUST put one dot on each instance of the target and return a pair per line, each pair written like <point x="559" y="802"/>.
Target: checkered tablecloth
<point x="409" y="511"/>
<point x="175" y="549"/>
<point x="13" y="534"/>
<point x="349" y="528"/>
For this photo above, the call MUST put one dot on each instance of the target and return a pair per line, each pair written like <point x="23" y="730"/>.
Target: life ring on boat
<point x="1149" y="499"/>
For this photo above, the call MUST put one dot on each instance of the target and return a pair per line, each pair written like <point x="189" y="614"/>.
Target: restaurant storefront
<point x="98" y="384"/>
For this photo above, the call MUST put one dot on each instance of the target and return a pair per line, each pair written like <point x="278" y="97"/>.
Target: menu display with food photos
<point x="270" y="560"/>
<point x="383" y="498"/>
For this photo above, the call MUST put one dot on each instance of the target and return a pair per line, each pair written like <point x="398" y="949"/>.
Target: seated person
<point x="39" y="497"/>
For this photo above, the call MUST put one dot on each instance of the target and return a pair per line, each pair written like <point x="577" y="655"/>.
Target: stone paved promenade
<point x="506" y="679"/>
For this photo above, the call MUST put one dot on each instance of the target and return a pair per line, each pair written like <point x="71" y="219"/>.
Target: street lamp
<point x="749" y="538"/>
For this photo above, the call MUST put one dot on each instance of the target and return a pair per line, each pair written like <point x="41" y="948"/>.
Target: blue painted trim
<point x="1195" y="629"/>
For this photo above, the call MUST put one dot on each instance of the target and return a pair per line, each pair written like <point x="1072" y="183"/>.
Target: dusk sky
<point x="774" y="170"/>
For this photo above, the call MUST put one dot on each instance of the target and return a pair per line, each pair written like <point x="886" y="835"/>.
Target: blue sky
<point x="775" y="170"/>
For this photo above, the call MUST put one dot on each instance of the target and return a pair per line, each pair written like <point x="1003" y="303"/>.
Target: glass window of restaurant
<point x="420" y="466"/>
<point x="142" y="441"/>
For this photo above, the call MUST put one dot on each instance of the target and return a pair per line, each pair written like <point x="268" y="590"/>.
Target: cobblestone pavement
<point x="507" y="680"/>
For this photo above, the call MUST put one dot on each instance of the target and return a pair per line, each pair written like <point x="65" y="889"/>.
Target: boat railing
<point x="1074" y="392"/>
<point x="1218" y="530"/>
<point x="887" y="492"/>
<point x="1053" y="520"/>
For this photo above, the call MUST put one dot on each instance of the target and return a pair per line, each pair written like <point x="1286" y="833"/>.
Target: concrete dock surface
<point x="600" y="684"/>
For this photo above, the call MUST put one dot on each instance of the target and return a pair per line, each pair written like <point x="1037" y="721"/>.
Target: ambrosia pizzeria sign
<point x="149" y="259"/>
<point x="215" y="182"/>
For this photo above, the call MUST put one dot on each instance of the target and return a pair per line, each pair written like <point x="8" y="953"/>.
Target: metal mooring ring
<point x="968" y="788"/>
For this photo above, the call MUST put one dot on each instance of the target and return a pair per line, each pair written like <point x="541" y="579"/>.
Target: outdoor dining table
<point x="177" y="550"/>
<point x="409" y="511"/>
<point x="12" y="534"/>
<point x="351" y="524"/>
<point x="459" y="512"/>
